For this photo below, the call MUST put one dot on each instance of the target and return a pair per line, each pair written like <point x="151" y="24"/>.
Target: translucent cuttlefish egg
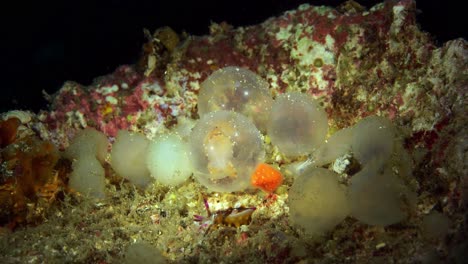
<point x="225" y="149"/>
<point x="236" y="89"/>
<point x="297" y="124"/>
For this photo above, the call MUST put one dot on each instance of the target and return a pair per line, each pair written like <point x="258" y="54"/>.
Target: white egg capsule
<point x="168" y="160"/>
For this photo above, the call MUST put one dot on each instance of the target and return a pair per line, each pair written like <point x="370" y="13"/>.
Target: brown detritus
<point x="220" y="29"/>
<point x="8" y="129"/>
<point x="167" y="37"/>
<point x="318" y="62"/>
<point x="157" y="51"/>
<point x="233" y="217"/>
<point x="344" y="106"/>
<point x="351" y="7"/>
<point x="354" y="167"/>
<point x="29" y="177"/>
<point x="113" y="177"/>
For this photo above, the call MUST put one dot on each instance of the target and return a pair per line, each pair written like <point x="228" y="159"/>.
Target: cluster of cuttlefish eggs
<point x="235" y="108"/>
<point x="225" y="151"/>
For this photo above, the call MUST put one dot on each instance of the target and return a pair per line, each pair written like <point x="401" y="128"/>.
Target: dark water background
<point x="45" y="43"/>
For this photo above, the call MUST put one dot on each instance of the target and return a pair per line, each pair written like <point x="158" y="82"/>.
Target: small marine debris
<point x="234" y="217"/>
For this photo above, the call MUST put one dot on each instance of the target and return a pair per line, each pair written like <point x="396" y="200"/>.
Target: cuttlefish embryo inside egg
<point x="225" y="149"/>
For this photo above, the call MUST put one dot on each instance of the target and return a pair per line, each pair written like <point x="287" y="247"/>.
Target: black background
<point x="45" y="43"/>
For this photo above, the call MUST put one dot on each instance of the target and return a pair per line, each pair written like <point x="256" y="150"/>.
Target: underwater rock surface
<point x="354" y="62"/>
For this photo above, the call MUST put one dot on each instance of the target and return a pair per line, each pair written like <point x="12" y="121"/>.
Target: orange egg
<point x="266" y="178"/>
